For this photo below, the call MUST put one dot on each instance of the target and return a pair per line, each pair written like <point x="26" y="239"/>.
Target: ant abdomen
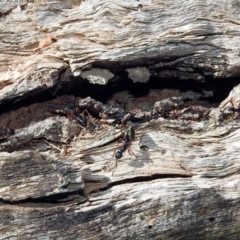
<point x="118" y="154"/>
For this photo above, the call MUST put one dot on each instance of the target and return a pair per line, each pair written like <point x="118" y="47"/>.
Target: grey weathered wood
<point x="160" y="209"/>
<point x="186" y="185"/>
<point x="91" y="39"/>
<point x="59" y="181"/>
<point x="27" y="174"/>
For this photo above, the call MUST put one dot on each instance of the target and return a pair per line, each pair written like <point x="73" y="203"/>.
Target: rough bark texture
<point x="96" y="40"/>
<point x="59" y="180"/>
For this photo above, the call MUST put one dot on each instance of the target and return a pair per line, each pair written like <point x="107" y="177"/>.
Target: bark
<point x="60" y="180"/>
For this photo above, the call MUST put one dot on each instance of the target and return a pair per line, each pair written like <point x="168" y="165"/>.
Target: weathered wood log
<point x="60" y="180"/>
<point x="44" y="42"/>
<point x="187" y="181"/>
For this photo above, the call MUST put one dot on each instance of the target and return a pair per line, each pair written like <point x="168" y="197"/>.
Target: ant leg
<point x="236" y="115"/>
<point x="131" y="152"/>
<point x="139" y="138"/>
<point x="120" y="140"/>
<point x="228" y="102"/>
<point x="238" y="106"/>
<point x="125" y="119"/>
<point x="231" y="101"/>
<point x="6" y="126"/>
<point x="122" y="133"/>
<point x="116" y="160"/>
<point x="70" y="115"/>
<point x="115" y="151"/>
<point x="89" y="117"/>
<point x="73" y="116"/>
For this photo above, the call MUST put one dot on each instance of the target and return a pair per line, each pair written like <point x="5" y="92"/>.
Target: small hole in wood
<point x="144" y="148"/>
<point x="149" y="226"/>
<point x="211" y="219"/>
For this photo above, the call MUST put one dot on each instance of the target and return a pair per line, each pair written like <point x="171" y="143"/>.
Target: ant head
<point x="118" y="154"/>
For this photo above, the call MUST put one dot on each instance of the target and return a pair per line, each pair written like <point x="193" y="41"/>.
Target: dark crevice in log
<point x="38" y="106"/>
<point x="79" y="87"/>
<point x="148" y="62"/>
<point x="49" y="201"/>
<point x="134" y="180"/>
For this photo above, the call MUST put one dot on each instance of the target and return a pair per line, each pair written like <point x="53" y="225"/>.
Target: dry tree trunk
<point x="59" y="180"/>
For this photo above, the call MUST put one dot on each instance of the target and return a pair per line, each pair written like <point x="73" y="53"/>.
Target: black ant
<point x="6" y="132"/>
<point x="73" y="114"/>
<point x="230" y="110"/>
<point x="128" y="136"/>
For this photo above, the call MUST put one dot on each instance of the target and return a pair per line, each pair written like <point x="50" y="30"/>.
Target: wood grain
<point x="91" y="39"/>
<point x="59" y="180"/>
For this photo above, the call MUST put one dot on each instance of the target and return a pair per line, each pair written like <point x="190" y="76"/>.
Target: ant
<point x="128" y="136"/>
<point x="6" y="132"/>
<point x="74" y="114"/>
<point x="230" y="110"/>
